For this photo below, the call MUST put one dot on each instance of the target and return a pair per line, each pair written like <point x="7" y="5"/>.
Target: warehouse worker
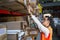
<point x="47" y="23"/>
<point x="46" y="31"/>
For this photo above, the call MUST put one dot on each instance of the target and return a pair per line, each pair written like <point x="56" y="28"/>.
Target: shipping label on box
<point x="33" y="32"/>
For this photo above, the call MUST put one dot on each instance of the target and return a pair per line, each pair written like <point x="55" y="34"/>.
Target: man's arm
<point x="40" y="26"/>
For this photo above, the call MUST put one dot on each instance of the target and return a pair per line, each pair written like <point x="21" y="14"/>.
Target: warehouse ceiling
<point x="13" y="5"/>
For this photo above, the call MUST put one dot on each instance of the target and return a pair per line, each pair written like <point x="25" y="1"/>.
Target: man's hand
<point x="30" y="9"/>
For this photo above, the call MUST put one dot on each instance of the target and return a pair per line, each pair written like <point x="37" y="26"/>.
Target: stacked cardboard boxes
<point x="12" y="37"/>
<point x="17" y="18"/>
<point x="3" y="30"/>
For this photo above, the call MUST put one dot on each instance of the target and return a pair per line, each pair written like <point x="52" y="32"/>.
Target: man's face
<point x="46" y="22"/>
<point x="45" y="17"/>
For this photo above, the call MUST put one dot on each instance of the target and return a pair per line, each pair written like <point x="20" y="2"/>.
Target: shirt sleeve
<point x="40" y="26"/>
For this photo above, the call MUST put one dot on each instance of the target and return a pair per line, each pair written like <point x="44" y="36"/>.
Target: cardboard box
<point x="13" y="25"/>
<point x="12" y="37"/>
<point x="31" y="32"/>
<point x="21" y="1"/>
<point x="3" y="37"/>
<point x="3" y="19"/>
<point x="19" y="18"/>
<point x="10" y="18"/>
<point x="3" y="34"/>
<point x="2" y="26"/>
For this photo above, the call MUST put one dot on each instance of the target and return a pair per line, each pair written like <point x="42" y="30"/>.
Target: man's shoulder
<point x="50" y="28"/>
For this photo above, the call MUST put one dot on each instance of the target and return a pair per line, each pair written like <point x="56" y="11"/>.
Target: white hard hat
<point x="49" y="15"/>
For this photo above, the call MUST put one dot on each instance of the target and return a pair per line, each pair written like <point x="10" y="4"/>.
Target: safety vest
<point x="49" y="36"/>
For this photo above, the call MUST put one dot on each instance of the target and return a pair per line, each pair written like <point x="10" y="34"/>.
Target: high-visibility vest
<point x="49" y="36"/>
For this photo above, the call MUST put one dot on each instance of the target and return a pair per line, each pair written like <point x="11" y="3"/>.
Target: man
<point x="47" y="24"/>
<point x="46" y="31"/>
